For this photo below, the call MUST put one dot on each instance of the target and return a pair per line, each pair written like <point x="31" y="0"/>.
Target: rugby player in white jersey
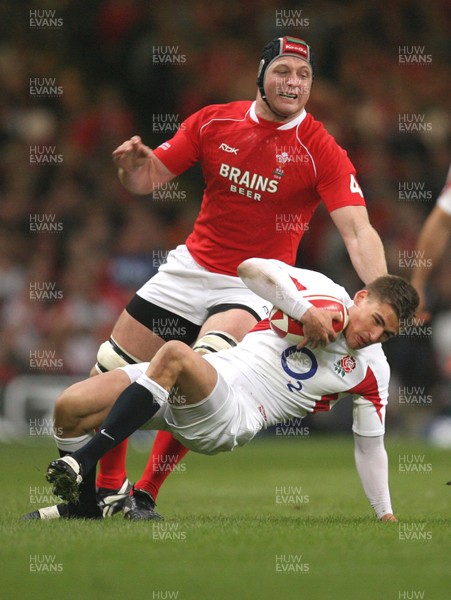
<point x="229" y="396"/>
<point x="267" y="166"/>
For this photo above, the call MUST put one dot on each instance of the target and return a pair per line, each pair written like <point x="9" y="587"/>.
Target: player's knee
<point x="111" y="356"/>
<point x="175" y="351"/>
<point x="172" y="357"/>
<point x="214" y="341"/>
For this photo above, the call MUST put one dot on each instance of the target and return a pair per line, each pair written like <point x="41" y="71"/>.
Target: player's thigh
<point x="92" y="398"/>
<point x="136" y="338"/>
<point x="235" y="321"/>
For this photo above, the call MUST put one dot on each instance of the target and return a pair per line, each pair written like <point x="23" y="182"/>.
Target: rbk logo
<point x="227" y="148"/>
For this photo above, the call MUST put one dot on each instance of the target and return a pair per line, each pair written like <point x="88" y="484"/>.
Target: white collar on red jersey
<point x="289" y="125"/>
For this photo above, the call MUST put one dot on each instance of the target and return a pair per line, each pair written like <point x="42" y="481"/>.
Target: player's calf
<point x="66" y="412"/>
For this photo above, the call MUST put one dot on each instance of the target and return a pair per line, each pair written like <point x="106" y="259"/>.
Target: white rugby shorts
<point x="186" y="288"/>
<point x="219" y="423"/>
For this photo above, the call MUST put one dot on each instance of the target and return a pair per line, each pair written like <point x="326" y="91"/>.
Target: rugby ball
<point x="292" y="331"/>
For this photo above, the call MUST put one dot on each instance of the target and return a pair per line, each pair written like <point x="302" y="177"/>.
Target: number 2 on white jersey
<point x="354" y="186"/>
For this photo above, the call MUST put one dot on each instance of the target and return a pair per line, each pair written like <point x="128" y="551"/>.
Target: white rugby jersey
<point x="283" y="382"/>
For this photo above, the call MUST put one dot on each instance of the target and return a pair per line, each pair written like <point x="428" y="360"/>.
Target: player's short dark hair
<point x="397" y="292"/>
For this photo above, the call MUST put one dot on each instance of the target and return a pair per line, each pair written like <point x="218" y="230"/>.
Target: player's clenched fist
<point x="132" y="154"/>
<point x="318" y="327"/>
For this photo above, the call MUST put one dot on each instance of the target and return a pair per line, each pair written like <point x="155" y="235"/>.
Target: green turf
<point x="224" y="530"/>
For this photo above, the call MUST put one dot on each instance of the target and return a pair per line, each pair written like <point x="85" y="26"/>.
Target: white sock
<point x="73" y="444"/>
<point x="159" y="393"/>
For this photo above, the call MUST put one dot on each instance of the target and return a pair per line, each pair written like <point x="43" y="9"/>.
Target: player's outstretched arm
<point x="431" y="246"/>
<point x="139" y="170"/>
<point x="362" y="242"/>
<point x="372" y="465"/>
<point x="269" y="281"/>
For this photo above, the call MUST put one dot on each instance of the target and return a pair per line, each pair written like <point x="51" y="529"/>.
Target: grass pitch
<point x="280" y="519"/>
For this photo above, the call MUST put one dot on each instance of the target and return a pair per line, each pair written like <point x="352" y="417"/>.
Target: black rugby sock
<point x="134" y="407"/>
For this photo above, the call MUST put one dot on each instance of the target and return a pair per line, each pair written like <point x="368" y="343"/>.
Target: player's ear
<point x="360" y="296"/>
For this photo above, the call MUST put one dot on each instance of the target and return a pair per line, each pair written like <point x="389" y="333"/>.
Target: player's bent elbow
<point x="248" y="268"/>
<point x="241" y="268"/>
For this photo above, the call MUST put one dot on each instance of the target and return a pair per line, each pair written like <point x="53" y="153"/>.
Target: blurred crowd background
<point x="99" y="60"/>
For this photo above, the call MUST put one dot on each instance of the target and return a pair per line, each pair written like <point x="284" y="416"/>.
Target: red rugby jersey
<point x="264" y="181"/>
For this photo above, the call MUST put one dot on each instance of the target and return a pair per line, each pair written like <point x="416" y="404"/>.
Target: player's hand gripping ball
<point x="286" y="327"/>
